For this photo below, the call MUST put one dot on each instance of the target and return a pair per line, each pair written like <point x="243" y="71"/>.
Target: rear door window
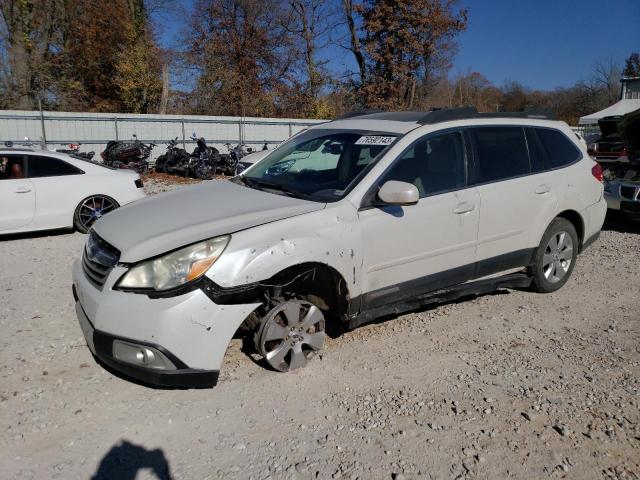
<point x="502" y="153"/>
<point x="50" y="167"/>
<point x="560" y="150"/>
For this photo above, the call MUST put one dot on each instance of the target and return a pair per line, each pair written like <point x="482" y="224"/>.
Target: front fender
<point x="330" y="236"/>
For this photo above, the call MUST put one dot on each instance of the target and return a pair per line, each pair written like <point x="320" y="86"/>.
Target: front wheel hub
<point x="290" y="334"/>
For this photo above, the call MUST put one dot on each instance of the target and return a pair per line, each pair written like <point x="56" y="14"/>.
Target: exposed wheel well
<point x="318" y="283"/>
<point x="576" y="220"/>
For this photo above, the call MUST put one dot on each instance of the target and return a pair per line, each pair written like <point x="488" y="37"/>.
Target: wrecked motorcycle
<point x="131" y="155"/>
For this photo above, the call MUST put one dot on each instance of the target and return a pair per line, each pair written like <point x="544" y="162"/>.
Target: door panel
<point x="59" y="186"/>
<point x="513" y="201"/>
<point x="419" y="248"/>
<point x="17" y="203"/>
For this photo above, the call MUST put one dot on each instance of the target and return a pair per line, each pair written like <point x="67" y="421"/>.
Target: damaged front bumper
<point x="171" y="342"/>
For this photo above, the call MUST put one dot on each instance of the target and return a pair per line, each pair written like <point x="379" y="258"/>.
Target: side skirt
<point x="478" y="287"/>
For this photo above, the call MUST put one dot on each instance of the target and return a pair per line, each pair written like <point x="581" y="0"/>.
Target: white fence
<point x="93" y="130"/>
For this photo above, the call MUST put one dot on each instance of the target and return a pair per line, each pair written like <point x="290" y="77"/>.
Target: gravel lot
<point x="510" y="385"/>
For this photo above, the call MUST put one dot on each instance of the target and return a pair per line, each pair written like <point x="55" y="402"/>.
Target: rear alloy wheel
<point x="290" y="334"/>
<point x="91" y="209"/>
<point x="555" y="257"/>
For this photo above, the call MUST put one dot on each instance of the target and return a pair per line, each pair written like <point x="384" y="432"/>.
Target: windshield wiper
<point x="261" y="184"/>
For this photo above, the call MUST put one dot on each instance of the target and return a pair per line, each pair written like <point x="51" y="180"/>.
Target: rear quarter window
<point x="559" y="149"/>
<point x="49" y="167"/>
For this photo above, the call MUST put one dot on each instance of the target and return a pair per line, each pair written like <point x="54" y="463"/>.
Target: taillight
<point x="597" y="173"/>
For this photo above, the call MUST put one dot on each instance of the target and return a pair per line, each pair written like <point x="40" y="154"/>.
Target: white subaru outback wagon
<point x="368" y="215"/>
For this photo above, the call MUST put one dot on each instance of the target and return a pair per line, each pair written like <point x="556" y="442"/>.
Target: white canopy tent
<point x="620" y="108"/>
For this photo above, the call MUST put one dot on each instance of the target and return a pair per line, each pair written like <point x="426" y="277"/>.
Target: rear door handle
<point x="22" y="190"/>
<point x="464" y="208"/>
<point x="542" y="189"/>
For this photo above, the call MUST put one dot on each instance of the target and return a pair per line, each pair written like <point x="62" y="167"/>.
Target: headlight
<point x="176" y="268"/>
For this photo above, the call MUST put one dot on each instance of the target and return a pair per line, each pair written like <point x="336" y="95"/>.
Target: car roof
<point x="76" y="162"/>
<point x="403" y="122"/>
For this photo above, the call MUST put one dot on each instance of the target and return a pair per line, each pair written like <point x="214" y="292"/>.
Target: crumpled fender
<point x="330" y="236"/>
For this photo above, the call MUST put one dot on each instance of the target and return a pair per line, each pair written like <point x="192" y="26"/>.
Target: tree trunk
<point x="164" y="99"/>
<point x="356" y="48"/>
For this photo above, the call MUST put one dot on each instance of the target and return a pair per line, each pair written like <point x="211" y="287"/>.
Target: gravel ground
<point x="510" y="385"/>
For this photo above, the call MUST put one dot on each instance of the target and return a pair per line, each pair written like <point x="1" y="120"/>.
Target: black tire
<point x="549" y="277"/>
<point x="161" y="164"/>
<point x="80" y="222"/>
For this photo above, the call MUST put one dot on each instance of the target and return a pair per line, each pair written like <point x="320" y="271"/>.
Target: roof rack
<point x="438" y="115"/>
<point x="359" y="113"/>
<point x="448" y="114"/>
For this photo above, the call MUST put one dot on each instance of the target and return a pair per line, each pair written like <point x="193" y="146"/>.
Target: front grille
<point x="627" y="191"/>
<point x="98" y="259"/>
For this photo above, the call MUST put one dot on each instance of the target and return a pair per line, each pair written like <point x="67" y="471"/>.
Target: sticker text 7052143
<point x="375" y="140"/>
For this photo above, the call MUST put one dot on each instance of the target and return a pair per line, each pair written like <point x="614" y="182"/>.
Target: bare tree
<point x="311" y="24"/>
<point x="349" y="11"/>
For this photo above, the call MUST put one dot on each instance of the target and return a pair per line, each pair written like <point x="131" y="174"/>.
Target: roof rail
<point x="448" y="114"/>
<point x="358" y="113"/>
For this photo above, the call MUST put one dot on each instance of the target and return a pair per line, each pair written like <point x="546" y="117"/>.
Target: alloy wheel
<point x="290" y="335"/>
<point x="93" y="208"/>
<point x="557" y="257"/>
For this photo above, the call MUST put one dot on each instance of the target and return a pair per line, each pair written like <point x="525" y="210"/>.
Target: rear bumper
<point x="593" y="217"/>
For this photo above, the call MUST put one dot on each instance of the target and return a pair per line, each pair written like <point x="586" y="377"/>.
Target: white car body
<point x="383" y="259"/>
<point x="47" y="202"/>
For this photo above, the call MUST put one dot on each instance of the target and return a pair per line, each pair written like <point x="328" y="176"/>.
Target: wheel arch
<point x="320" y="280"/>
<point x="578" y="223"/>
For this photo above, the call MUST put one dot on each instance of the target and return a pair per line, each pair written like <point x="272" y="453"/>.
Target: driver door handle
<point x="22" y="190"/>
<point x="542" y="189"/>
<point x="464" y="207"/>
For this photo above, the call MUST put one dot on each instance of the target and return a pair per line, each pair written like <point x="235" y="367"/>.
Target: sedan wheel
<point x="290" y="335"/>
<point x="91" y="209"/>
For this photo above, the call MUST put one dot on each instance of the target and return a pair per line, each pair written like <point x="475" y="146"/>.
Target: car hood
<point x="164" y="222"/>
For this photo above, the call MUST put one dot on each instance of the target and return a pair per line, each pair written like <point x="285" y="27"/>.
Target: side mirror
<point x="399" y="193"/>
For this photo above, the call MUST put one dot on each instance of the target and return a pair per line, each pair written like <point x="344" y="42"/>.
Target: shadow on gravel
<point x="124" y="460"/>
<point x="620" y="224"/>
<point x="44" y="233"/>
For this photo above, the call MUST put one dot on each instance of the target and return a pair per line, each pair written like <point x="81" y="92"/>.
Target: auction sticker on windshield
<point x="375" y="140"/>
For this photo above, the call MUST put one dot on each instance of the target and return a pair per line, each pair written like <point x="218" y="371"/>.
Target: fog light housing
<point x="141" y="356"/>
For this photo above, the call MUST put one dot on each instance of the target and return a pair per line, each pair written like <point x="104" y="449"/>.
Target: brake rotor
<point x="290" y="334"/>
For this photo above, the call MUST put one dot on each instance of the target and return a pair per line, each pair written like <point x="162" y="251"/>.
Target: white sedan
<point x="41" y="190"/>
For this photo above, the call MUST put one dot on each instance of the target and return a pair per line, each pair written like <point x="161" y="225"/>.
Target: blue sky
<point x="541" y="44"/>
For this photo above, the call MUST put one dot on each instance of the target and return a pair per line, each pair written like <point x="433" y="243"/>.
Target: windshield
<point x="319" y="165"/>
